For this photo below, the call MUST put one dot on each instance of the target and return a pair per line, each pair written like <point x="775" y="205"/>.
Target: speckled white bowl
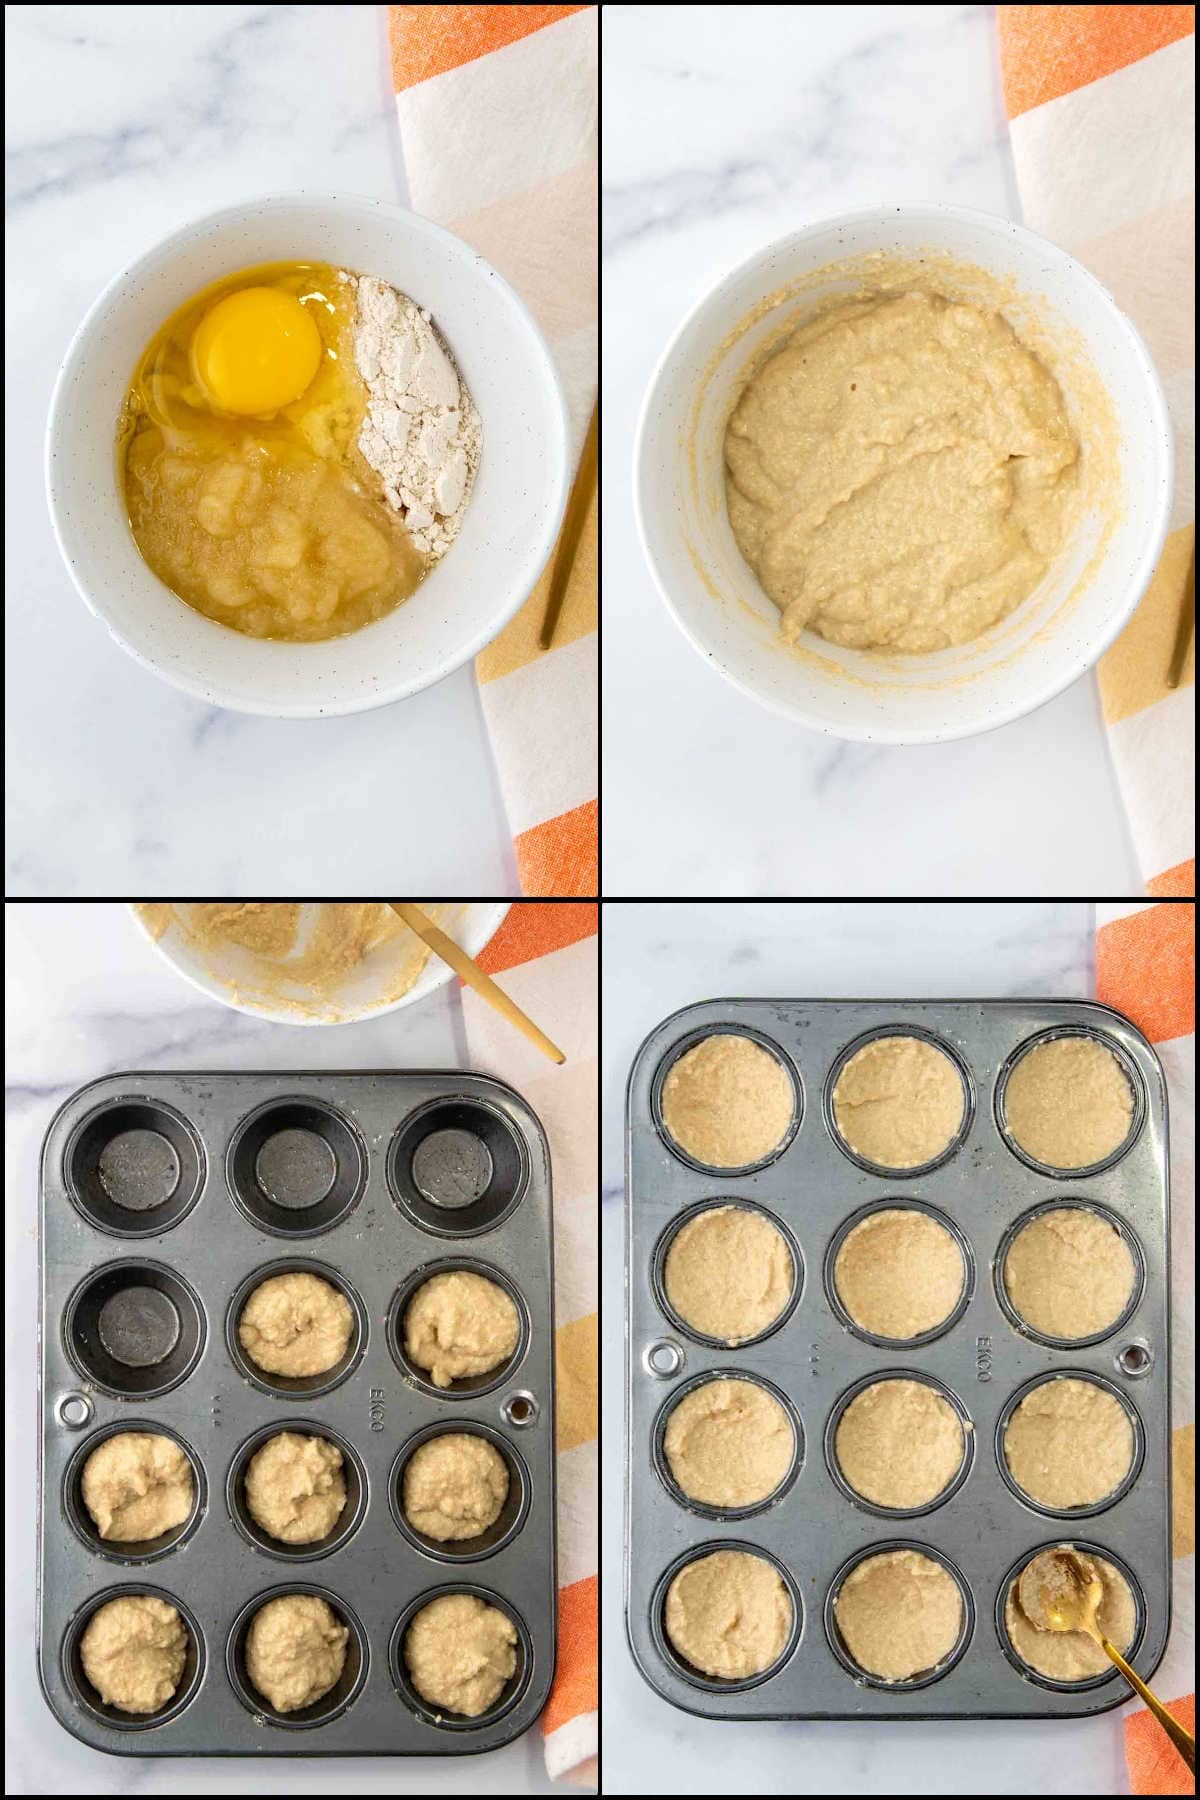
<point x="715" y="597"/>
<point x="510" y="524"/>
<point x="214" y="970"/>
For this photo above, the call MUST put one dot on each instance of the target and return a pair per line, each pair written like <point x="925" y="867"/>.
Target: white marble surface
<point x="725" y="127"/>
<point x="85" y="996"/>
<point x="123" y="122"/>
<point x="660" y="957"/>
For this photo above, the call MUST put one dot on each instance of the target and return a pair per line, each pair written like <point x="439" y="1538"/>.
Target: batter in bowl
<point x="898" y="1102"/>
<point x="729" y="1443"/>
<point x="727" y="1102"/>
<point x="1069" y="1273"/>
<point x="899" y="1443"/>
<point x="1069" y="1443"/>
<point x="728" y="1273"/>
<point x="1074" y="1655"/>
<point x="899" y="1614"/>
<point x="1068" y="1103"/>
<point x="729" y="1614"/>
<point x="899" y="1273"/>
<point x="901" y="474"/>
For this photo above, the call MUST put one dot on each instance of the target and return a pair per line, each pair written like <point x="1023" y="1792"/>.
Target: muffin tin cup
<point x="175" y="1293"/>
<point x="981" y="1359"/>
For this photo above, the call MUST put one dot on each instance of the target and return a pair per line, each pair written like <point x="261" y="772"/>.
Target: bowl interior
<point x="1078" y="608"/>
<point x="230" y="974"/>
<point x="509" y="527"/>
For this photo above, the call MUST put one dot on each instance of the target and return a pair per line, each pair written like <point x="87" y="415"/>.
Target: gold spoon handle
<point x="1179" y="1735"/>
<point x="473" y="975"/>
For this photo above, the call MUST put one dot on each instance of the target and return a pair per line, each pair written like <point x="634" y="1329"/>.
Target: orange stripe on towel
<point x="429" y="40"/>
<point x="575" y="1689"/>
<point x="531" y="931"/>
<point x="1048" y="51"/>
<point x="562" y="855"/>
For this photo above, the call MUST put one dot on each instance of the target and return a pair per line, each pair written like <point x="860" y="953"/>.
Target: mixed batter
<point x="296" y="1325"/>
<point x="727" y="1102"/>
<point x="899" y="1443"/>
<point x="729" y="1443"/>
<point x="1069" y="1273"/>
<point x="459" y="1324"/>
<point x="899" y="1273"/>
<point x="901" y="474"/>
<point x="899" y="1102"/>
<point x="729" y="1614"/>
<point x="295" y="1489"/>
<point x="1068" y="1103"/>
<point x="455" y="1486"/>
<point x="899" y="1614"/>
<point x="133" y="1652"/>
<point x="137" y="1485"/>
<point x="728" y="1273"/>
<point x="1069" y="1443"/>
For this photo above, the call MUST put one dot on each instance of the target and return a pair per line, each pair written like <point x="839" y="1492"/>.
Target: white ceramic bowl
<point x="472" y="926"/>
<point x="715" y="597"/>
<point x="511" y="520"/>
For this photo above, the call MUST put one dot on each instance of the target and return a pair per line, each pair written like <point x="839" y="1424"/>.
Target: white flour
<point x="422" y="434"/>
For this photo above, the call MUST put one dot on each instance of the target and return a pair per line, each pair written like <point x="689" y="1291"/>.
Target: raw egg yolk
<point x="255" y="351"/>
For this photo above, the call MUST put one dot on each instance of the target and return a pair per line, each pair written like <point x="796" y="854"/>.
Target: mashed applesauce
<point x="265" y="520"/>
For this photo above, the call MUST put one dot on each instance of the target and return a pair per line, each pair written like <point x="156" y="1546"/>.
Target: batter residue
<point x="1074" y="1655"/>
<point x="900" y="474"/>
<point x="298" y="956"/>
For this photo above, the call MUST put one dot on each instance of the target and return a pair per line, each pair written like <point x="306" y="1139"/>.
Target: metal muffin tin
<point x="374" y="1181"/>
<point x="983" y="1359"/>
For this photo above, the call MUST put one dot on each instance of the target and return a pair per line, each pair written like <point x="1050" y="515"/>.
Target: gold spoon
<point x="1061" y="1590"/>
<point x="473" y="975"/>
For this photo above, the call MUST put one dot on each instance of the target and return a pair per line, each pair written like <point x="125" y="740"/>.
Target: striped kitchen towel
<point x="498" y="118"/>
<point x="1146" y="968"/>
<point x="1101" y="103"/>
<point x="545" y="955"/>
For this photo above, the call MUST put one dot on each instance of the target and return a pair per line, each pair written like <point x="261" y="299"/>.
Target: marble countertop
<point x="723" y="128"/>
<point x="656" y="959"/>
<point x="86" y="996"/>
<point x="122" y="123"/>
